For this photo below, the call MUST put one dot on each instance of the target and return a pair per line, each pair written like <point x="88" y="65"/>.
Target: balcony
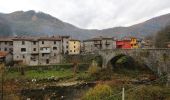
<point x="45" y="50"/>
<point x="107" y="43"/>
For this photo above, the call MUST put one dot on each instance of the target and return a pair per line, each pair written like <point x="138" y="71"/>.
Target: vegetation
<point x="94" y="69"/>
<point x="99" y="92"/>
<point x="162" y="37"/>
<point x="148" y="93"/>
<point x="43" y="72"/>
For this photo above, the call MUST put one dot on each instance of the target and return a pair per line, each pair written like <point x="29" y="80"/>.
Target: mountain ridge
<point x="39" y="23"/>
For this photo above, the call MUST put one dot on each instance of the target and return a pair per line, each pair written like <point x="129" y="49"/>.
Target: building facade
<point x="127" y="43"/>
<point x="6" y="44"/>
<point x="100" y="43"/>
<point x="74" y="47"/>
<point x="65" y="44"/>
<point x="37" y="51"/>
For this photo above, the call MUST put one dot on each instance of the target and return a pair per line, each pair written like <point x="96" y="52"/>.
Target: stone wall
<point x="158" y="60"/>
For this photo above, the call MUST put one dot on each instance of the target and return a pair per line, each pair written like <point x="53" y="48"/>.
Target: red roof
<point x="3" y="54"/>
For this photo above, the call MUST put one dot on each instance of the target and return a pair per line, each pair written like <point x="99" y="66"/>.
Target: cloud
<point x="91" y="14"/>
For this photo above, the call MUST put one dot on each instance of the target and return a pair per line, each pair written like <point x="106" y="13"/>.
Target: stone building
<point x="50" y="50"/>
<point x="100" y="43"/>
<point x="6" y="44"/>
<point x="65" y="44"/>
<point x="37" y="51"/>
<point x="167" y="44"/>
<point x="6" y="57"/>
<point x="74" y="47"/>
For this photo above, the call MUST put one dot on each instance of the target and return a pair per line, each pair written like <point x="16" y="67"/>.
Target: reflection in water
<point x="73" y="92"/>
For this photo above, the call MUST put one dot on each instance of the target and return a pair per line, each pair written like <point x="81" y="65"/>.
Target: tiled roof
<point x="99" y="39"/>
<point x="74" y="40"/>
<point x="3" y="54"/>
<point x="6" y="39"/>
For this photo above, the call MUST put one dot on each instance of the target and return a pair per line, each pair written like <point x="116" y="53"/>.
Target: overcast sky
<point x="93" y="14"/>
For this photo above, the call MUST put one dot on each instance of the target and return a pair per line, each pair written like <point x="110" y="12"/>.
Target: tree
<point x="162" y="37"/>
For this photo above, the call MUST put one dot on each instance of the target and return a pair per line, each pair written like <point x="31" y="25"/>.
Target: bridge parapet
<point x="157" y="59"/>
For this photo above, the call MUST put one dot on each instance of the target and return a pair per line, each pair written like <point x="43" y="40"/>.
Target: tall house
<point x="74" y="47"/>
<point x="100" y="43"/>
<point x="65" y="44"/>
<point x="134" y="42"/>
<point x="22" y="50"/>
<point x="37" y="51"/>
<point x="6" y="44"/>
<point x="50" y="49"/>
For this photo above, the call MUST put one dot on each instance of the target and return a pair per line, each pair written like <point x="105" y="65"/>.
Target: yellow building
<point x="134" y="42"/>
<point x="74" y="47"/>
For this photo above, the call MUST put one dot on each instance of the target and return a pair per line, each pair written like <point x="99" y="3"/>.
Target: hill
<point x="39" y="23"/>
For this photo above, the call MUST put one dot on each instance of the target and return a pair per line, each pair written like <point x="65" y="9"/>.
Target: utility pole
<point x="2" y="80"/>
<point x="123" y="93"/>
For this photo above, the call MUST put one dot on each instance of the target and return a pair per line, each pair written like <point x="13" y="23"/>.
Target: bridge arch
<point x="154" y="59"/>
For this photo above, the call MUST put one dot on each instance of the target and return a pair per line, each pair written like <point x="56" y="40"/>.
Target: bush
<point x="93" y="69"/>
<point x="99" y="92"/>
<point x="146" y="93"/>
<point x="105" y="74"/>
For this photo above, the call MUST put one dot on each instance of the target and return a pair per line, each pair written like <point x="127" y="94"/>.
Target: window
<point x="54" y="54"/>
<point x="54" y="48"/>
<point x="5" y="49"/>
<point x="54" y="42"/>
<point x="42" y="42"/>
<point x="23" y="42"/>
<point x="0" y="49"/>
<point x="34" y="49"/>
<point x="34" y="42"/>
<point x="47" y="61"/>
<point x="74" y="50"/>
<point x="10" y="43"/>
<point x="74" y="46"/>
<point x="67" y="46"/>
<point x="42" y="55"/>
<point x="23" y="56"/>
<point x="74" y="42"/>
<point x="23" y="49"/>
<point x="70" y="50"/>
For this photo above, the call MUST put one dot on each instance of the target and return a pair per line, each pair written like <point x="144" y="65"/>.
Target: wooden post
<point x="123" y="93"/>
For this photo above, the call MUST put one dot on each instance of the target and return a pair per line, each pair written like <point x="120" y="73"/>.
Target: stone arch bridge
<point x="158" y="60"/>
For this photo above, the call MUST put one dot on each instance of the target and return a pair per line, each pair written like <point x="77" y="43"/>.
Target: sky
<point x="93" y="14"/>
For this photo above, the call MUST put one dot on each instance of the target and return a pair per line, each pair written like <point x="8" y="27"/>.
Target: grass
<point x="43" y="72"/>
<point x="31" y="74"/>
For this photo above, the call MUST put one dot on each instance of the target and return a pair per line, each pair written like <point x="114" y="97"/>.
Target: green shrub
<point x="94" y="69"/>
<point x="99" y="92"/>
<point x="105" y="74"/>
<point x="146" y="93"/>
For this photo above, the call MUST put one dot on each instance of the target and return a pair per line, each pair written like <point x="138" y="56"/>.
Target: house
<point x="37" y="50"/>
<point x="74" y="46"/>
<point x="65" y="44"/>
<point x="134" y="42"/>
<point x="123" y="43"/>
<point x="99" y="43"/>
<point x="146" y="44"/>
<point x="167" y="44"/>
<point x="6" y="57"/>
<point x="50" y="50"/>
<point x="127" y="43"/>
<point x="6" y="44"/>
